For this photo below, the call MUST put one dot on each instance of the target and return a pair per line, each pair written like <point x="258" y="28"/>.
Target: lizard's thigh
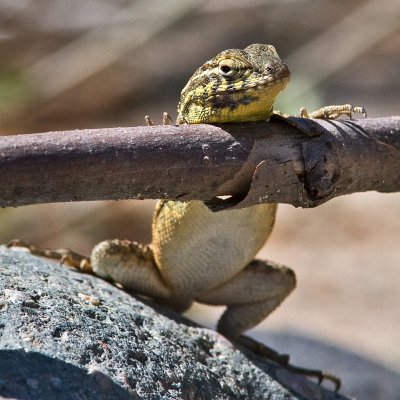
<point x="250" y="296"/>
<point x="130" y="264"/>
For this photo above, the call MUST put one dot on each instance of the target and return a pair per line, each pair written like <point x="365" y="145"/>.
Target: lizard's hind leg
<point x="130" y="264"/>
<point x="66" y="256"/>
<point x="250" y="296"/>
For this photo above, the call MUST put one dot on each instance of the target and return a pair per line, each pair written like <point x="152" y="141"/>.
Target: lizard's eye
<point x="226" y="70"/>
<point x="231" y="69"/>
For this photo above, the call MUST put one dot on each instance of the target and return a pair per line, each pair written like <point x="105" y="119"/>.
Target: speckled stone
<point x="66" y="335"/>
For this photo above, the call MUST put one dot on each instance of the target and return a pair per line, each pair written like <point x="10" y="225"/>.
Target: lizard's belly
<point x="197" y="249"/>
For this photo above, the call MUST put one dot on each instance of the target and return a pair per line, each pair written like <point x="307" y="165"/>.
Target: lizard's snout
<point x="284" y="71"/>
<point x="278" y="70"/>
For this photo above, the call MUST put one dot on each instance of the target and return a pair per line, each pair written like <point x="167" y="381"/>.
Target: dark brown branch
<point x="254" y="162"/>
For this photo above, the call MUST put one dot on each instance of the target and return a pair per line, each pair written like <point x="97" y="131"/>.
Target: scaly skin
<point x="235" y="86"/>
<point x="197" y="254"/>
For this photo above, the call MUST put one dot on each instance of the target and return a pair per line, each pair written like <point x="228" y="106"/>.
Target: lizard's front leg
<point x="333" y="112"/>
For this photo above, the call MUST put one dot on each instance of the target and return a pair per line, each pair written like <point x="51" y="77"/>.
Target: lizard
<point x="197" y="254"/>
<point x="200" y="255"/>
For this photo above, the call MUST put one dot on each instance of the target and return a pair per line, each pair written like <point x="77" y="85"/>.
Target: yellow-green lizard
<point x="196" y="254"/>
<point x="199" y="255"/>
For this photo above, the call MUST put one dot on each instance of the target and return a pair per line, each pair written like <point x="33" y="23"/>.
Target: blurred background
<point x="69" y="64"/>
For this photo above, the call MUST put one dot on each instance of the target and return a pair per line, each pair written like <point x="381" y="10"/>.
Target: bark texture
<point x="296" y="161"/>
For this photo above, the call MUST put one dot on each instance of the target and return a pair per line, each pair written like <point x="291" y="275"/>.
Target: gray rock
<point x="66" y="335"/>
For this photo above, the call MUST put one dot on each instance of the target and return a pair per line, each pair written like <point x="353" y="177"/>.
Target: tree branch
<point x="296" y="161"/>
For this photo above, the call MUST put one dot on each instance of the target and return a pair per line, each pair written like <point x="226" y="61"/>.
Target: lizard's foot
<point x="66" y="256"/>
<point x="166" y="119"/>
<point x="333" y="112"/>
<point x="149" y="121"/>
<point x="263" y="350"/>
<point x="283" y="359"/>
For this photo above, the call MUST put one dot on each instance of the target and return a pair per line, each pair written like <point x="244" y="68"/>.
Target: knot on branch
<point x="321" y="168"/>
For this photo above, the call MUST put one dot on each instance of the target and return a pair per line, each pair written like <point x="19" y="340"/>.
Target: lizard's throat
<point x="243" y="106"/>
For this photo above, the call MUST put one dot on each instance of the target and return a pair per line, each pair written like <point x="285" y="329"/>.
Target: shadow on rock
<point x="361" y="377"/>
<point x="36" y="376"/>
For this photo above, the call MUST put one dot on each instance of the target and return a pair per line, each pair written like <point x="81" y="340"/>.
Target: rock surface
<point x="65" y="335"/>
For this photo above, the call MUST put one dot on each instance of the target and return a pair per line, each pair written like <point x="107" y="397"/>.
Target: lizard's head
<point x="235" y="86"/>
